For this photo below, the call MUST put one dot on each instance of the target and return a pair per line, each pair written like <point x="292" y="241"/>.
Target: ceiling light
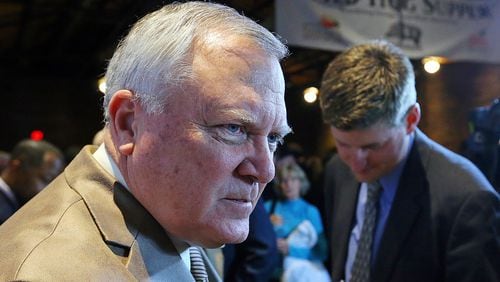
<point x="311" y="94"/>
<point x="432" y="64"/>
<point x="101" y="84"/>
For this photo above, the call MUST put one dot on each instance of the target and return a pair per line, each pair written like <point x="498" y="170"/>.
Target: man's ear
<point x="15" y="164"/>
<point x="122" y="114"/>
<point x="412" y="118"/>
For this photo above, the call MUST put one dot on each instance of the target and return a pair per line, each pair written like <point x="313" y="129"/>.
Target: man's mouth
<point x="239" y="200"/>
<point x="238" y="207"/>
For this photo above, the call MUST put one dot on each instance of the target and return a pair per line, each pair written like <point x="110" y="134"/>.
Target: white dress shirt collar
<point x="106" y="161"/>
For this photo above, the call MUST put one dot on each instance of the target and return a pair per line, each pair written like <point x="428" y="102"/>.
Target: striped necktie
<point x="197" y="266"/>
<point x="360" y="271"/>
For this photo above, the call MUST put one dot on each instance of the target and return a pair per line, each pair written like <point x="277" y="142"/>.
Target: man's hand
<point x="282" y="246"/>
<point x="276" y="220"/>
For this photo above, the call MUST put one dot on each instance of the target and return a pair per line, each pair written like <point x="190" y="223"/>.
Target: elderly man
<point x="195" y="109"/>
<point x="31" y="167"/>
<point x="400" y="206"/>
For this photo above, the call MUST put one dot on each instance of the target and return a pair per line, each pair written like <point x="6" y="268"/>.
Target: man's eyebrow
<point x="284" y="130"/>
<point x="370" y="145"/>
<point x="247" y="119"/>
<point x="241" y="115"/>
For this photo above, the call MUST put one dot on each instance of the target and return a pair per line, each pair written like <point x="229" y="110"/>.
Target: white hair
<point x="154" y="56"/>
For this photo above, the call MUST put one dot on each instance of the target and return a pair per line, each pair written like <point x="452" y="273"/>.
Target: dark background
<point x="53" y="51"/>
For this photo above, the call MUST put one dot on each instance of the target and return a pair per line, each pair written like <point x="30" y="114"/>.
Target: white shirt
<point x="8" y="192"/>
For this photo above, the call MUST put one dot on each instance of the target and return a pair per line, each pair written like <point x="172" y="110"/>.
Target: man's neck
<point x="108" y="163"/>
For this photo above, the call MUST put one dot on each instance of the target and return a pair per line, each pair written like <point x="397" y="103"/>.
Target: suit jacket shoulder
<point x="444" y="214"/>
<point x="7" y="207"/>
<point x="444" y="166"/>
<point x="341" y="192"/>
<point x="86" y="225"/>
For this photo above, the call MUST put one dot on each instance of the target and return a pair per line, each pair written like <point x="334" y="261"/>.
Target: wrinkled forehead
<point x="220" y="47"/>
<point x="238" y="58"/>
<point x="235" y="74"/>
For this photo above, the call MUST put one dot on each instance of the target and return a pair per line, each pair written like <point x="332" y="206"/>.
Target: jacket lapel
<point x="213" y="275"/>
<point x="130" y="232"/>
<point x="345" y="200"/>
<point x="152" y="254"/>
<point x="404" y="212"/>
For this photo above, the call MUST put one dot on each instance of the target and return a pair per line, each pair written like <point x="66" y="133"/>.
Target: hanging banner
<point x="461" y="30"/>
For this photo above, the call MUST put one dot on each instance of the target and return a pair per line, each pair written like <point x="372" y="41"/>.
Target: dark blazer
<point x="7" y="207"/>
<point x="85" y="226"/>
<point x="444" y="224"/>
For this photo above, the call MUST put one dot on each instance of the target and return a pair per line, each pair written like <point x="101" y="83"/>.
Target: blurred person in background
<point x="4" y="160"/>
<point x="482" y="146"/>
<point x="298" y="226"/>
<point x="31" y="167"/>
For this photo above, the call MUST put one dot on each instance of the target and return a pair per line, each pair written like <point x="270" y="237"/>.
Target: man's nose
<point x="258" y="165"/>
<point x="357" y="159"/>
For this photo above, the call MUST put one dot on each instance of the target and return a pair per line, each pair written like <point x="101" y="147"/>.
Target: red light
<point x="36" y="135"/>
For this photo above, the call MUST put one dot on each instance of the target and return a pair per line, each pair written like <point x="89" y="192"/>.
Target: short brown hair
<point x="366" y="84"/>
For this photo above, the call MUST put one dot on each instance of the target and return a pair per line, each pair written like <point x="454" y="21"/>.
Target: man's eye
<point x="341" y="145"/>
<point x="234" y="128"/>
<point x="234" y="134"/>
<point x="275" y="139"/>
<point x="371" y="147"/>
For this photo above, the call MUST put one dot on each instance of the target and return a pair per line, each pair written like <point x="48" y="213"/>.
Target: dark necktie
<point x="360" y="271"/>
<point x="197" y="266"/>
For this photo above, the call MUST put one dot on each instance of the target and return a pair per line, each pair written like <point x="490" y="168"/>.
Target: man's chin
<point x="224" y="241"/>
<point x="231" y="234"/>
<point x="236" y="238"/>
<point x="214" y="243"/>
<point x="365" y="177"/>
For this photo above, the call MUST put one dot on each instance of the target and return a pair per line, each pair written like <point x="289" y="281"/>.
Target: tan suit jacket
<point x="85" y="226"/>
